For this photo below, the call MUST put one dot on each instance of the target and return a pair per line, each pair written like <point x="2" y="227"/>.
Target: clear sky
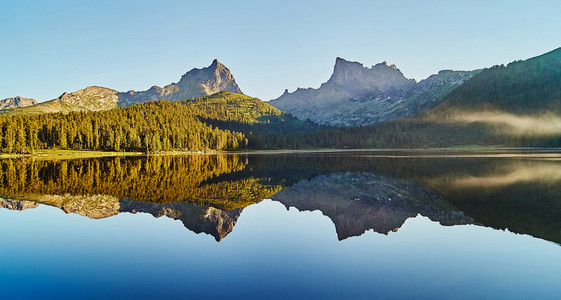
<point x="49" y="47"/>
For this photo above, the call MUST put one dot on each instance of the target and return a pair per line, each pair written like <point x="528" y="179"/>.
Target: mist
<point x="535" y="173"/>
<point x="547" y="124"/>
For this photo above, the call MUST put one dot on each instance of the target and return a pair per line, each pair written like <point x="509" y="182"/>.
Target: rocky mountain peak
<point x="345" y="71"/>
<point x="356" y="95"/>
<point x="195" y="83"/>
<point x="214" y="78"/>
<point x="380" y="76"/>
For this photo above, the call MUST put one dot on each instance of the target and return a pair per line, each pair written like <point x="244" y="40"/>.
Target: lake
<point x="352" y="225"/>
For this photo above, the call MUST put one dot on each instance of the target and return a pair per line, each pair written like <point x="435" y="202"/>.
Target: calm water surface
<point x="340" y="225"/>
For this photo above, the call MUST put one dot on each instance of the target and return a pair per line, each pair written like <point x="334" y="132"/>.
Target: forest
<point x="150" y="127"/>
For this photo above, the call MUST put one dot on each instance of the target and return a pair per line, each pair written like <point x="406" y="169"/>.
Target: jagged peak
<point x="347" y="72"/>
<point x="341" y="62"/>
<point x="216" y="67"/>
<point x="382" y="64"/>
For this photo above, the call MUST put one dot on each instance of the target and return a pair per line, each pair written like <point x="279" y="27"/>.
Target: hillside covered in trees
<point x="522" y="87"/>
<point x="149" y="127"/>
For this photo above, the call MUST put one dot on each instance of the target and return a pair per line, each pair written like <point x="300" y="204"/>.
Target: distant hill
<point x="195" y="83"/>
<point x="357" y="96"/>
<point x="89" y="99"/>
<point x="16" y="102"/>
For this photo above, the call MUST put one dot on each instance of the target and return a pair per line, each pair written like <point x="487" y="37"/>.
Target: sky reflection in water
<point x="277" y="253"/>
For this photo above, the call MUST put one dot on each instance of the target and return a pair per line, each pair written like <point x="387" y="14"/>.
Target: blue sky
<point x="49" y="47"/>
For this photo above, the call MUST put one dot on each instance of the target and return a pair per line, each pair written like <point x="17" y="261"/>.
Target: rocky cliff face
<point x="16" y="102"/>
<point x="356" y="79"/>
<point x="357" y="202"/>
<point x="195" y="83"/>
<point x="356" y="95"/>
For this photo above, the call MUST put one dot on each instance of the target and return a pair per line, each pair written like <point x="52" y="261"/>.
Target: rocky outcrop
<point x="356" y="95"/>
<point x="91" y="98"/>
<point x="17" y="204"/>
<point x="195" y="83"/>
<point x="16" y="102"/>
<point x="357" y="202"/>
<point x="93" y="207"/>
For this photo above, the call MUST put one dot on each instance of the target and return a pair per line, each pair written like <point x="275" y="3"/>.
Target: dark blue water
<point x="275" y="252"/>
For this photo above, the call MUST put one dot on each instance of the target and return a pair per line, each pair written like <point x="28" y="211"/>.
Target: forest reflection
<point x="154" y="179"/>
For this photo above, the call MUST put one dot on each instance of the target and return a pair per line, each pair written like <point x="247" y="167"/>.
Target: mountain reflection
<point x="358" y="192"/>
<point x="357" y="202"/>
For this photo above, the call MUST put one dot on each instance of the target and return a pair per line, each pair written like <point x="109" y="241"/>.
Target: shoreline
<point x="387" y="153"/>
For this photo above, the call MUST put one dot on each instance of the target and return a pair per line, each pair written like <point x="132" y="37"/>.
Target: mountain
<point x="521" y="87"/>
<point x="356" y="95"/>
<point x="517" y="105"/>
<point x="16" y="102"/>
<point x="92" y="98"/>
<point x="195" y="83"/>
<point x="357" y="202"/>
<point x="198" y="219"/>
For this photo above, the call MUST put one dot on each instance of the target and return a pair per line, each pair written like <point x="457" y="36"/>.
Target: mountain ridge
<point x="356" y="95"/>
<point x="194" y="83"/>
